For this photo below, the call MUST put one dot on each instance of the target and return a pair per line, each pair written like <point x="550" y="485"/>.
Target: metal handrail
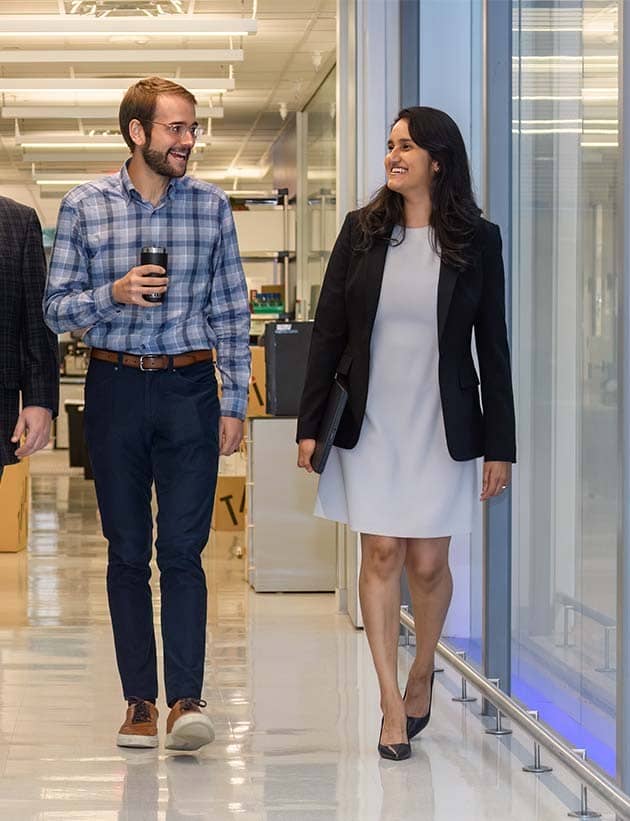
<point x="587" y="772"/>
<point x="585" y="610"/>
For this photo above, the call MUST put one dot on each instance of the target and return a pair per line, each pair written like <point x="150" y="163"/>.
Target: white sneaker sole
<point x="190" y="733"/>
<point x="141" y="741"/>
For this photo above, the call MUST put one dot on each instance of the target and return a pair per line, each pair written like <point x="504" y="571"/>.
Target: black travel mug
<point x="152" y="255"/>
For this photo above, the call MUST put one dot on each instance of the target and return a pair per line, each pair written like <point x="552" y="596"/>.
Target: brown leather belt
<point x="151" y="362"/>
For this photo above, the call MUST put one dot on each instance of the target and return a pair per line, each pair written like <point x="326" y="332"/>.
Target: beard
<point x="159" y="163"/>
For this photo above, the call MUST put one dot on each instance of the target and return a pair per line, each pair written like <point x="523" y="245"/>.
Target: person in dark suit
<point x="28" y="350"/>
<point x="411" y="275"/>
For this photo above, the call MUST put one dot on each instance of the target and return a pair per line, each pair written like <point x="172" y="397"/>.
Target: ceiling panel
<point x="30" y="7"/>
<point x="279" y="66"/>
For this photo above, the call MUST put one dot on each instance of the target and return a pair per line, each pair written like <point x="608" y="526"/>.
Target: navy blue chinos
<point x="142" y="428"/>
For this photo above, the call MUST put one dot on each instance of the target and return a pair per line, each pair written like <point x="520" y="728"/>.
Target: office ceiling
<point x="276" y="69"/>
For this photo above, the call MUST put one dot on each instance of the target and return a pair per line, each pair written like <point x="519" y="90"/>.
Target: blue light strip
<point x="548" y="696"/>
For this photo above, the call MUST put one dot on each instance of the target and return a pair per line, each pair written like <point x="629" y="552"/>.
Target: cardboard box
<point x="235" y="464"/>
<point x="14" y="589"/>
<point x="14" y="507"/>
<point x="229" y="504"/>
<point x="256" y="405"/>
<point x="256" y="402"/>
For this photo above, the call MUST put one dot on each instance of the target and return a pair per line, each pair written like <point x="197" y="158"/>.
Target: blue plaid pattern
<point x="101" y="228"/>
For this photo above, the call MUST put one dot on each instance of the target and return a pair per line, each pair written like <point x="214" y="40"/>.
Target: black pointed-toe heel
<point x="393" y="752"/>
<point x="416" y="724"/>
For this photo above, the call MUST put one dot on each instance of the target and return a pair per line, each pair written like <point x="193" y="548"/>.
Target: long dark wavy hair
<point x="454" y="215"/>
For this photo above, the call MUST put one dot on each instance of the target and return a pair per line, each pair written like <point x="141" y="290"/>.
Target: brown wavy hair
<point x="455" y="213"/>
<point x="140" y="101"/>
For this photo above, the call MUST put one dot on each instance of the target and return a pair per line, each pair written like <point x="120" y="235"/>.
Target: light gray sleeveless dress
<point x="400" y="479"/>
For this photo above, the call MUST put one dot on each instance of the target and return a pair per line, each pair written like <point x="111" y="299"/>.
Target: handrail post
<point x="589" y="774"/>
<point x="464" y="698"/>
<point x="584" y="811"/>
<point x="498" y="729"/>
<point x="537" y="767"/>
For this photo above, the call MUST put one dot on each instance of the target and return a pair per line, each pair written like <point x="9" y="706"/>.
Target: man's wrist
<point x="41" y="407"/>
<point x="115" y="298"/>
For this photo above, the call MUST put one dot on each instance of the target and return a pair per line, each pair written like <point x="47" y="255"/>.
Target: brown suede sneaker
<point x="140" y="727"/>
<point x="187" y="728"/>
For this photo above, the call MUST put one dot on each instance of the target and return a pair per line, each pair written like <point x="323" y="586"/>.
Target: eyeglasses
<point x="180" y="130"/>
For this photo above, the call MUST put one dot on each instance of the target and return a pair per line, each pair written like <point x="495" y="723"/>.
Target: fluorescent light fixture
<point x="83" y="112"/>
<point x="58" y="139"/>
<point x="251" y="172"/>
<point x="58" y="181"/>
<point x="88" y="26"/>
<point x="254" y="172"/>
<point x="241" y="193"/>
<point x="58" y="189"/>
<point x="151" y="7"/>
<point x="84" y="144"/>
<point x="55" y="157"/>
<point x="73" y="155"/>
<point x="67" y="180"/>
<point x="122" y="56"/>
<point x="117" y="146"/>
<point x="68" y="141"/>
<point x="209" y="85"/>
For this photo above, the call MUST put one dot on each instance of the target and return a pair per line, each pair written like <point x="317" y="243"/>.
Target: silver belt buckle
<point x="147" y="370"/>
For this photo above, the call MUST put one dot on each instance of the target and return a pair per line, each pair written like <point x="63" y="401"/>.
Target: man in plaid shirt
<point x="151" y="408"/>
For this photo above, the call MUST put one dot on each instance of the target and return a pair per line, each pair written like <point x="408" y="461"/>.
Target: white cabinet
<point x="288" y="549"/>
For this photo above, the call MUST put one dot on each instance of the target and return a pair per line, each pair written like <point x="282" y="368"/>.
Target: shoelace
<point x="191" y="703"/>
<point x="141" y="712"/>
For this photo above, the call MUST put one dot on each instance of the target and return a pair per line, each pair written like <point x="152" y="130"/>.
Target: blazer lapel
<point x="446" y="286"/>
<point x="374" y="267"/>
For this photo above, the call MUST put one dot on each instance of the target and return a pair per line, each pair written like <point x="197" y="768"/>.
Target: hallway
<point x="290" y="689"/>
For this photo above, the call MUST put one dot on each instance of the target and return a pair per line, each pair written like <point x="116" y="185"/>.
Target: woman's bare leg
<point x="431" y="588"/>
<point x="382" y="560"/>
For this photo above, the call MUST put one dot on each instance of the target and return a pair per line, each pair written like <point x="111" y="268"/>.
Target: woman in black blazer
<point x="411" y="275"/>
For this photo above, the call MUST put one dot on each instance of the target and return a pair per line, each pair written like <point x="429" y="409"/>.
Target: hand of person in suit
<point x="230" y="435"/>
<point x="35" y="423"/>
<point x="305" y="453"/>
<point x="496" y="478"/>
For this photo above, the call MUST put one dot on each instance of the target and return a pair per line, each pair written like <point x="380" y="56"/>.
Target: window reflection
<point x="565" y="166"/>
<point x="318" y="211"/>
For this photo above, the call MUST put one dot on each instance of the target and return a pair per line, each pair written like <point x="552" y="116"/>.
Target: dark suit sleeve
<point x="39" y="362"/>
<point x="494" y="355"/>
<point x="330" y="336"/>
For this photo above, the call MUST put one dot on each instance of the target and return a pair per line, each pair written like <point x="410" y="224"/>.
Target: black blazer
<point x="473" y="297"/>
<point x="28" y="349"/>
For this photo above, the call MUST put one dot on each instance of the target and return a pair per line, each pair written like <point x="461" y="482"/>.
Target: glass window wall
<point x="318" y="206"/>
<point x="565" y="351"/>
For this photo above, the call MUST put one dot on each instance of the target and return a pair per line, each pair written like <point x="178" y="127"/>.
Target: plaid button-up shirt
<point x="101" y="229"/>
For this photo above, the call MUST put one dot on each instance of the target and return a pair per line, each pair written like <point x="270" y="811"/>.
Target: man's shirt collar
<point x="130" y="191"/>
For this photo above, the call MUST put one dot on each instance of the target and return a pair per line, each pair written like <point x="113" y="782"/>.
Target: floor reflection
<point x="289" y="684"/>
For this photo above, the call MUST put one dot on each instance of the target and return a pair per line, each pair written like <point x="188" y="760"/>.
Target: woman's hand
<point x="305" y="452"/>
<point x="496" y="478"/>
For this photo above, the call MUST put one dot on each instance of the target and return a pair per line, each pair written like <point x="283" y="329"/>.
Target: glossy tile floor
<point x="289" y="685"/>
